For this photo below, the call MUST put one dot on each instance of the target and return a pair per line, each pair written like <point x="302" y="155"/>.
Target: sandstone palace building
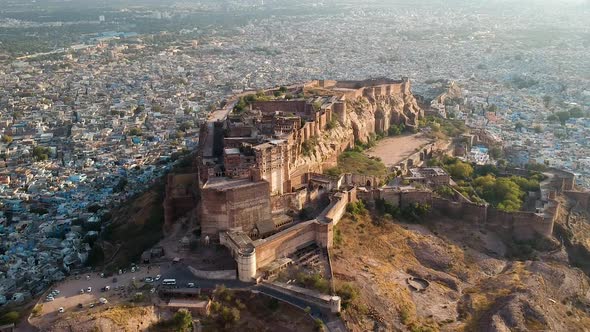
<point x="261" y="158"/>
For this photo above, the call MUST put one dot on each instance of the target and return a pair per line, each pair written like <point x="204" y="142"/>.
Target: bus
<point x="169" y="282"/>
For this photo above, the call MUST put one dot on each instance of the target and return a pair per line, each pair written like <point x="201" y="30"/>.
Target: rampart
<point x="521" y="225"/>
<point x="582" y="197"/>
<point x="181" y="196"/>
<point x="234" y="205"/>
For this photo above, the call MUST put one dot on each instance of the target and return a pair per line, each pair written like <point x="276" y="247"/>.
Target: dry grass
<point x="122" y="315"/>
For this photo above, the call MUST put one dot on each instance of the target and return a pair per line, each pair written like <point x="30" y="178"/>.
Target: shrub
<point x="356" y="208"/>
<point x="10" y="317"/>
<point x="348" y="293"/>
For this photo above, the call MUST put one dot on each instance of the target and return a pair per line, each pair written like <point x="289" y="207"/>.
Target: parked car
<point x="191" y="285"/>
<point x="158" y="277"/>
<point x="61" y="310"/>
<point x="102" y="300"/>
<point x="89" y="289"/>
<point x="49" y="299"/>
<point x="81" y="291"/>
<point x="80" y="305"/>
<point x="91" y="305"/>
<point x="148" y="279"/>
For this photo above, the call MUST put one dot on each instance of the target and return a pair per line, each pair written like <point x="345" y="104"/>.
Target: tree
<point x="229" y="316"/>
<point x="40" y="153"/>
<point x="185" y="126"/>
<point x="538" y="129"/>
<point x="504" y="193"/>
<point x="317" y="106"/>
<point x="563" y="116"/>
<point x="348" y="293"/>
<point x="460" y="170"/>
<point x="576" y="112"/>
<point x="7" y="139"/>
<point x="546" y="101"/>
<point x="135" y="131"/>
<point x="10" y="317"/>
<point x="183" y="320"/>
<point x="496" y="152"/>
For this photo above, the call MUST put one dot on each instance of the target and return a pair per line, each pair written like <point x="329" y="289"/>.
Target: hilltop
<point x="472" y="284"/>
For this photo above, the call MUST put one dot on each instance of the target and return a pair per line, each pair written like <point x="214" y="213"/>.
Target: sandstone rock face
<point x="366" y="115"/>
<point x="375" y="115"/>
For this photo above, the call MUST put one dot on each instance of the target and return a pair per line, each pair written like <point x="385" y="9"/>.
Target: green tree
<point x="504" y="193"/>
<point x="496" y="152"/>
<point x="135" y="131"/>
<point x="186" y="126"/>
<point x="348" y="293"/>
<point x="10" y="317"/>
<point x="183" y="321"/>
<point x="563" y="116"/>
<point x="546" y="101"/>
<point x="40" y="153"/>
<point x="7" y="139"/>
<point x="460" y="170"/>
<point x="576" y="112"/>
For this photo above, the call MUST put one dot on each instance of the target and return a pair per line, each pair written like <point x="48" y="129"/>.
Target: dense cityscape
<point x="87" y="125"/>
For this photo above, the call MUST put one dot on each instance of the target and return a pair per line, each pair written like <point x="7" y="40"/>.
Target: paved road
<point x="70" y="292"/>
<point x="333" y="324"/>
<point x="183" y="276"/>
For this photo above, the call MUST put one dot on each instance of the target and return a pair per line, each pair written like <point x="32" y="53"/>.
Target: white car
<point x="49" y="299"/>
<point x="60" y="310"/>
<point x="89" y="289"/>
<point x="81" y="291"/>
<point x="102" y="300"/>
<point x="55" y="291"/>
<point x="158" y="277"/>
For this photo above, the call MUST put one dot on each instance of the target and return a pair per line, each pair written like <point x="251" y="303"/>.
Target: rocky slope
<point x="360" y="125"/>
<point x="472" y="285"/>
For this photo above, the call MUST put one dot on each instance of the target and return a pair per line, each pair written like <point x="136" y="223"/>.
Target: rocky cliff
<point x="366" y="116"/>
<point x="375" y="115"/>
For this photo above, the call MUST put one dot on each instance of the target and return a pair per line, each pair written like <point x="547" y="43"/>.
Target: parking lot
<point x="71" y="296"/>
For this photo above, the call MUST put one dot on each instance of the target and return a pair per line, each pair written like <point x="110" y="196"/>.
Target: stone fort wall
<point x="235" y="208"/>
<point x="521" y="225"/>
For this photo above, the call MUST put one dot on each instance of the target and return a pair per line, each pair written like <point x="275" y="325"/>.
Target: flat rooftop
<point x="240" y="239"/>
<point x="224" y="183"/>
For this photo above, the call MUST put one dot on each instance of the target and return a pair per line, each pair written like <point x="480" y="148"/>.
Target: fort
<point x="260" y="163"/>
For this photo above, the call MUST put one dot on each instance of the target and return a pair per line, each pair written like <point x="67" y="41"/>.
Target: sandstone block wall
<point x="582" y="197"/>
<point x="284" y="243"/>
<point x="523" y="225"/>
<point x="181" y="196"/>
<point x="236" y="208"/>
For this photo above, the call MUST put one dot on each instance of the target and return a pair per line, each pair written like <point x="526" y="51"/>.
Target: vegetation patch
<point x="358" y="163"/>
